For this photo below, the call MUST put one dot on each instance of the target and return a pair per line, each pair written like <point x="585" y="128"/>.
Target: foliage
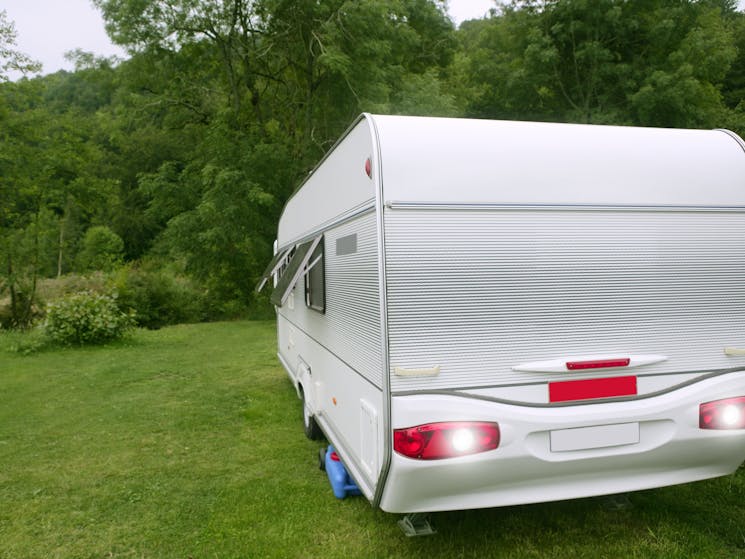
<point x="188" y="442"/>
<point x="188" y="150"/>
<point x="24" y="342"/>
<point x="48" y="185"/>
<point x="660" y="63"/>
<point x="12" y="59"/>
<point x="102" y="249"/>
<point x="158" y="297"/>
<point x="86" y="318"/>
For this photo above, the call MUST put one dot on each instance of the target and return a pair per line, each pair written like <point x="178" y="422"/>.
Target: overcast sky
<point x="49" y="28"/>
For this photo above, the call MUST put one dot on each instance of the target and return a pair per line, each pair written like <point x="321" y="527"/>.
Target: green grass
<point x="187" y="442"/>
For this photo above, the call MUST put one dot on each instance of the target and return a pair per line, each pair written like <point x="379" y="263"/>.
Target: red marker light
<point x="598" y="364"/>
<point x="368" y="167"/>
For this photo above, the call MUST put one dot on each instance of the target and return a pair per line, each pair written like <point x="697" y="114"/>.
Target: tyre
<point x="322" y="459"/>
<point x="311" y="428"/>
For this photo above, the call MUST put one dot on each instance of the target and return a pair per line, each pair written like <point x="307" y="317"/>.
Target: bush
<point x="86" y="318"/>
<point x="102" y="249"/>
<point x="159" y="297"/>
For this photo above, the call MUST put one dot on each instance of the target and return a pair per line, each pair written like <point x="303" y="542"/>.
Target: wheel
<point x="322" y="459"/>
<point x="311" y="428"/>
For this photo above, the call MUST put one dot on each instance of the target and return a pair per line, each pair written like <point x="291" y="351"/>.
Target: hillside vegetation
<point x="174" y="164"/>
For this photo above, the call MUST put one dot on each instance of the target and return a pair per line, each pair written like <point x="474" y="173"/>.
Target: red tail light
<point x="722" y="414"/>
<point x="435" y="441"/>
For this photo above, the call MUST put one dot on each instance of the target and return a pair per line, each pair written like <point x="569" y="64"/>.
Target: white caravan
<point x="485" y="313"/>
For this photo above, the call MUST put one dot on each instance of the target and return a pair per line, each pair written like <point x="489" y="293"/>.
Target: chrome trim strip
<point x="397" y="205"/>
<point x="734" y="136"/>
<point x="386" y="377"/>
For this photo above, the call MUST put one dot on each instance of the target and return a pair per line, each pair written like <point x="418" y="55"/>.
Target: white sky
<point x="49" y="28"/>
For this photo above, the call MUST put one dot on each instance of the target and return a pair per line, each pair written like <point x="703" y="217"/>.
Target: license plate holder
<point x="597" y="436"/>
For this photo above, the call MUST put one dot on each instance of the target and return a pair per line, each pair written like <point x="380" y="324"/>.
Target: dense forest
<point x="168" y="170"/>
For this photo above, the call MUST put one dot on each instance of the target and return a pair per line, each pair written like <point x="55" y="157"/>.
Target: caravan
<point x="485" y="313"/>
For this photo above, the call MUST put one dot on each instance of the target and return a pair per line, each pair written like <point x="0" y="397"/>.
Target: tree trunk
<point x="60" y="247"/>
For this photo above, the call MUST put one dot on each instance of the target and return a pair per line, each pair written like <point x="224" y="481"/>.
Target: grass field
<point x="187" y="442"/>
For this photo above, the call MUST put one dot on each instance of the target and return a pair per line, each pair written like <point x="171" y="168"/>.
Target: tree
<point x="684" y="89"/>
<point x="47" y="164"/>
<point x="11" y="59"/>
<point x="658" y="63"/>
<point x="257" y="91"/>
<point x="102" y="249"/>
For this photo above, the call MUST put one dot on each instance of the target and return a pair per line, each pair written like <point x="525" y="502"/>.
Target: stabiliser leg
<point x="416" y="524"/>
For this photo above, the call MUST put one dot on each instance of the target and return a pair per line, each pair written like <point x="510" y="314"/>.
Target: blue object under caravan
<point x="341" y="482"/>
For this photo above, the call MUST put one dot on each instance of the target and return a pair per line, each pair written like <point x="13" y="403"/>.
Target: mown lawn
<point x="187" y="442"/>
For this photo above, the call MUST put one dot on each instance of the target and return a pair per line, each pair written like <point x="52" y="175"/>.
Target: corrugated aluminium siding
<point x="479" y="291"/>
<point x="350" y="327"/>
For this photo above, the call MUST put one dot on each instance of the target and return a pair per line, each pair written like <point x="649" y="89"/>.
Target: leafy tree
<point x="188" y="150"/>
<point x="102" y="249"/>
<point x="23" y="177"/>
<point x="47" y="164"/>
<point x="257" y="91"/>
<point x="12" y="59"/>
<point x="684" y="89"/>
<point x="660" y="63"/>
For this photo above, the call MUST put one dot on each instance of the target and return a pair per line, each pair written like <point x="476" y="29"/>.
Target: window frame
<point x="297" y="266"/>
<point x="316" y="266"/>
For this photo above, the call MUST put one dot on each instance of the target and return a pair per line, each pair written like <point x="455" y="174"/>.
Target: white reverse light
<point x="463" y="440"/>
<point x="731" y="415"/>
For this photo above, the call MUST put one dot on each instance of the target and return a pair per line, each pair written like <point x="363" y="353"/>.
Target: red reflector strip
<point x="598" y="364"/>
<point x="591" y="389"/>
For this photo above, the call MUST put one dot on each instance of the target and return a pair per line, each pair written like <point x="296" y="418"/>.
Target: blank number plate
<point x="601" y="436"/>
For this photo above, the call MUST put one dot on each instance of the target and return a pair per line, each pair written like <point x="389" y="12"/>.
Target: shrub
<point x="159" y="297"/>
<point x="86" y="318"/>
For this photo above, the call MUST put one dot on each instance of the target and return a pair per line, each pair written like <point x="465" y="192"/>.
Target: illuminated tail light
<point x="435" y="441"/>
<point x="722" y="414"/>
